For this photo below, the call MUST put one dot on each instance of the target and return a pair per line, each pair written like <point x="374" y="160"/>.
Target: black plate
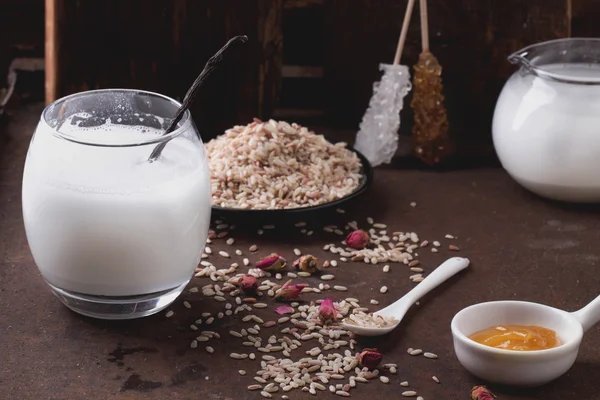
<point x="367" y="179"/>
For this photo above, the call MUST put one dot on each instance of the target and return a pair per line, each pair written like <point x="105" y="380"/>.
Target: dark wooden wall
<point x="22" y="35"/>
<point x="471" y="39"/>
<point x="21" y="29"/>
<point x="306" y="58"/>
<point x="162" y="45"/>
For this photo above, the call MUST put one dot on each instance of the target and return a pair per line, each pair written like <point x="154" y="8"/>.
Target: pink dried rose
<point x="272" y="262"/>
<point x="289" y="291"/>
<point x="307" y="263"/>
<point x="281" y="310"/>
<point x="481" y="393"/>
<point x="358" y="239"/>
<point x="248" y="284"/>
<point x="370" y="358"/>
<point x="328" y="310"/>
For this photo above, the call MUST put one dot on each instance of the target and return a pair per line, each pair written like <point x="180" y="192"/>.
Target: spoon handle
<point x="589" y="315"/>
<point x="445" y="271"/>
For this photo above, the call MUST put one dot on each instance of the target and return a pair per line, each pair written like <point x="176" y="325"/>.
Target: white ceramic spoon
<point x="521" y="368"/>
<point x="397" y="309"/>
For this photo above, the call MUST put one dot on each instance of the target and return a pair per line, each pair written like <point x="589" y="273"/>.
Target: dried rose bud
<point x="328" y="310"/>
<point x="289" y="291"/>
<point x="307" y="263"/>
<point x="273" y="262"/>
<point x="482" y="393"/>
<point x="248" y="284"/>
<point x="358" y="239"/>
<point x="370" y="358"/>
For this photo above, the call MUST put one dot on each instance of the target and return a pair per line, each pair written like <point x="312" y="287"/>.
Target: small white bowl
<point x="520" y="368"/>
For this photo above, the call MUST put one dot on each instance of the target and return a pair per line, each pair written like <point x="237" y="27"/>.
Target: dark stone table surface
<point x="521" y="247"/>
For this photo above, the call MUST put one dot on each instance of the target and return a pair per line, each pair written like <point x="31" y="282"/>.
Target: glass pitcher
<point x="546" y="125"/>
<point x="114" y="235"/>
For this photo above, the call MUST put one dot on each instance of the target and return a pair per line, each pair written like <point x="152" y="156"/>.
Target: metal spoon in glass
<point x="397" y="309"/>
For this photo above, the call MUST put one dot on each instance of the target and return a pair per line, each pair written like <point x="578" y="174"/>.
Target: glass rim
<point x="521" y="58"/>
<point x="183" y="124"/>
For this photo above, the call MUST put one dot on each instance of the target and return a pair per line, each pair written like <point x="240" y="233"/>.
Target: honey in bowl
<point x="517" y="337"/>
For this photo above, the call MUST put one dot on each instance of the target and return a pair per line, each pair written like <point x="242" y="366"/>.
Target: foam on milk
<point x="105" y="221"/>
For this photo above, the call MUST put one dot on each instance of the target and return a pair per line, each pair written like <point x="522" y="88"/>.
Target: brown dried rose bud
<point x="370" y="358"/>
<point x="273" y="262"/>
<point x="328" y="310"/>
<point x="358" y="239"/>
<point x="307" y="263"/>
<point x="248" y="284"/>
<point x="482" y="393"/>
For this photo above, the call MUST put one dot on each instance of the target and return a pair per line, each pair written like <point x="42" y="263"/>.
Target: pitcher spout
<point x="519" y="58"/>
<point x="526" y="56"/>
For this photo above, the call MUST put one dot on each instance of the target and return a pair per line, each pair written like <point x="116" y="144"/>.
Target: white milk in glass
<point x="104" y="221"/>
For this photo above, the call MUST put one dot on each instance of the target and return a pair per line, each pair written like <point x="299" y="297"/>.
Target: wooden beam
<point x="569" y="17"/>
<point x="52" y="47"/>
<point x="270" y="37"/>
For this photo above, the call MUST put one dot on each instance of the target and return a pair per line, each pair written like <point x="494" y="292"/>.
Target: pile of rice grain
<point x="275" y="165"/>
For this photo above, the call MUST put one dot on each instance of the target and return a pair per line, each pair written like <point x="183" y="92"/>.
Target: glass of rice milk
<point x="114" y="235"/>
